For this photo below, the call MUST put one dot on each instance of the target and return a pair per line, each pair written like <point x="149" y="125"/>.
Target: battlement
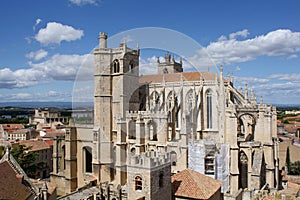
<point x="150" y="159"/>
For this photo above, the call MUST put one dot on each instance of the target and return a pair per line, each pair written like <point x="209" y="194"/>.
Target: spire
<point x="180" y="60"/>
<point x="261" y="100"/>
<point x="246" y="92"/>
<point x="221" y="72"/>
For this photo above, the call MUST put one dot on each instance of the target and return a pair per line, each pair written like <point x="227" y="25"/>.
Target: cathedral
<point x="149" y="127"/>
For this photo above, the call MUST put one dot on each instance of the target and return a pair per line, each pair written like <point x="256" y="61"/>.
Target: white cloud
<point x="244" y="33"/>
<point x="37" y="55"/>
<point x="228" y="51"/>
<point x="65" y="67"/>
<point x="148" y="65"/>
<point x="48" y="95"/>
<point x="58" y="67"/>
<point x="83" y="2"/>
<point x="286" y="77"/>
<point x="251" y="80"/>
<point x="37" y="22"/>
<point x="292" y="56"/>
<point x="55" y="33"/>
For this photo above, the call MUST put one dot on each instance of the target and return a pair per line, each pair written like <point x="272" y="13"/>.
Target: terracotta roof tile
<point x="16" y="190"/>
<point x="36" y="145"/>
<point x="191" y="184"/>
<point x="175" y="77"/>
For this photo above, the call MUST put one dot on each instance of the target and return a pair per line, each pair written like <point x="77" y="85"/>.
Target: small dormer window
<point x="116" y="66"/>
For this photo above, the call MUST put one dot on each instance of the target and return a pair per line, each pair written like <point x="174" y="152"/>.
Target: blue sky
<point x="43" y="44"/>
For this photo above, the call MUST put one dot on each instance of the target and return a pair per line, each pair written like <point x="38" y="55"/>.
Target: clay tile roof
<point x="175" y="77"/>
<point x="10" y="186"/>
<point x="12" y="126"/>
<point x="191" y="184"/>
<point x="36" y="145"/>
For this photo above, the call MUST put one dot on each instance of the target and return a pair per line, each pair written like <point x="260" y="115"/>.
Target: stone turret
<point x="102" y="40"/>
<point x="149" y="176"/>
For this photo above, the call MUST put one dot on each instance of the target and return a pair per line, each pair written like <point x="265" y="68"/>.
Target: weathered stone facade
<point x="195" y="120"/>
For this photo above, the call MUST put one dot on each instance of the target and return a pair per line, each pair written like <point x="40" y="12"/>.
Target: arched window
<point x="88" y="167"/>
<point x="152" y="131"/>
<point x="209" y="109"/>
<point x="131" y="67"/>
<point x="138" y="183"/>
<point x="63" y="157"/>
<point x="132" y="151"/>
<point x="243" y="165"/>
<point x="132" y="130"/>
<point x="116" y="65"/>
<point x="161" y="180"/>
<point x="173" y="158"/>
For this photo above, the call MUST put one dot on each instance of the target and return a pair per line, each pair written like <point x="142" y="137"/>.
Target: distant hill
<point x="67" y="105"/>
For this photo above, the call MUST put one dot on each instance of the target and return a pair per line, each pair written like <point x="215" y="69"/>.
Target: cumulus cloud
<point x="286" y="77"/>
<point x="55" y="33"/>
<point x="37" y="22"/>
<point x="37" y="55"/>
<point x="83" y="2"/>
<point x="58" y="67"/>
<point x="275" y="43"/>
<point x="244" y="33"/>
<point x="251" y="80"/>
<point x="148" y="65"/>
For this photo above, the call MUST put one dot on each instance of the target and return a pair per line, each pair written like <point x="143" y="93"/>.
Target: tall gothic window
<point x="209" y="109"/>
<point x="138" y="183"/>
<point x="88" y="159"/>
<point x="131" y="67"/>
<point x="132" y="129"/>
<point x="161" y="180"/>
<point x="243" y="165"/>
<point x="116" y="65"/>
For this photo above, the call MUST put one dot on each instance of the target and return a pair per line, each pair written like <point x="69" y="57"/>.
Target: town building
<point x="43" y="160"/>
<point x="15" y="184"/>
<point x="149" y="127"/>
<point x="45" y="116"/>
<point x="15" y="132"/>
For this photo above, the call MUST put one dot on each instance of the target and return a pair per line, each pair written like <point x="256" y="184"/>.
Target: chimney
<point x="102" y="40"/>
<point x="20" y="178"/>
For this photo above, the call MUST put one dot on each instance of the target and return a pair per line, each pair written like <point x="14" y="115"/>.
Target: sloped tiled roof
<point x="191" y="184"/>
<point x="176" y="77"/>
<point x="36" y="145"/>
<point x="12" y="126"/>
<point x="10" y="186"/>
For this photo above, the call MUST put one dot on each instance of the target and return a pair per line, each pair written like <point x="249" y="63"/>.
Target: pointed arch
<point x="131" y="130"/>
<point x="209" y="109"/>
<point x="116" y="66"/>
<point x="243" y="168"/>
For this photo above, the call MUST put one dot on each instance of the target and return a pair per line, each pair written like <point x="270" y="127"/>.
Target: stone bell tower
<point x="116" y="82"/>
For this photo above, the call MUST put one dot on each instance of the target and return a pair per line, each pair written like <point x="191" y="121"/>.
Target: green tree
<point x="25" y="159"/>
<point x="1" y="151"/>
<point x="288" y="160"/>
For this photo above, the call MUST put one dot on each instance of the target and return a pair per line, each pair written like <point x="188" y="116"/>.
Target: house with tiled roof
<point x="44" y="156"/>
<point x="15" y="131"/>
<point x="15" y="184"/>
<point x="189" y="184"/>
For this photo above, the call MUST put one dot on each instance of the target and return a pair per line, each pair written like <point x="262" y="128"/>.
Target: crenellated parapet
<point x="149" y="160"/>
